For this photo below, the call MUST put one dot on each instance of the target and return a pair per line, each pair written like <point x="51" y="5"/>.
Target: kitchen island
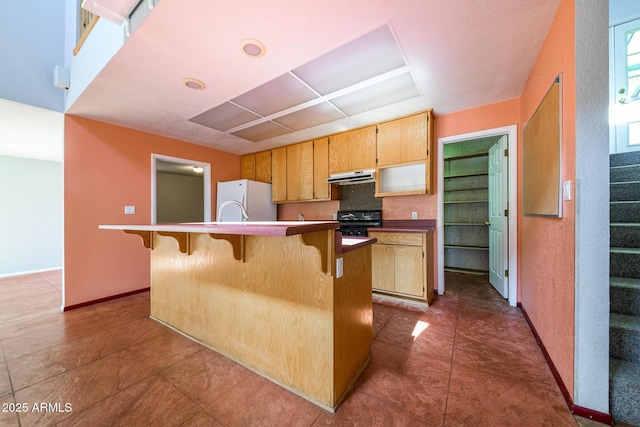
<point x="289" y="300"/>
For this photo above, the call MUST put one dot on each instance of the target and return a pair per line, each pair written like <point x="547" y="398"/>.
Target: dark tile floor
<point x="468" y="360"/>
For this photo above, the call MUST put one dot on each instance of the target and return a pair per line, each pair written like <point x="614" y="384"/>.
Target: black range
<point x="356" y="222"/>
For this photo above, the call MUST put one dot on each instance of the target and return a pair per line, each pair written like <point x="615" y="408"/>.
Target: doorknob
<point x="487" y="223"/>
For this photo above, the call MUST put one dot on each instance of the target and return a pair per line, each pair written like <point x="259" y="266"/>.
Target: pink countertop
<point x="406" y="226"/>
<point x="347" y="244"/>
<point x="253" y="228"/>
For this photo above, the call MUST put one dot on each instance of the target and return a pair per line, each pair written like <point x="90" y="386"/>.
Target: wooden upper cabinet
<point x="248" y="166"/>
<point x="405" y="140"/>
<point x="300" y="171"/>
<point x="256" y="167"/>
<point x="279" y="175"/>
<point x="321" y="190"/>
<point x="353" y="150"/>
<point x="263" y="166"/>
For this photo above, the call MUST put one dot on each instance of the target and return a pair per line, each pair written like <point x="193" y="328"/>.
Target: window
<point x="625" y="102"/>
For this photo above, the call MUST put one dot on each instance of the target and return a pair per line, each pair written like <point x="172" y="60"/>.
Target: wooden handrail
<point x="85" y="34"/>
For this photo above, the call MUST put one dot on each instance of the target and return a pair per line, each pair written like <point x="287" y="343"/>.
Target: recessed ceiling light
<point x="253" y="48"/>
<point x="193" y="84"/>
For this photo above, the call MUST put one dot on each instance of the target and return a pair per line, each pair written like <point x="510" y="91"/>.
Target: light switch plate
<point x="129" y="210"/>
<point x="339" y="267"/>
<point x="566" y="190"/>
<point x="414" y="215"/>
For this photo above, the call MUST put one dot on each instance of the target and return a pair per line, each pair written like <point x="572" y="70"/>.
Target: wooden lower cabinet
<point x="383" y="267"/>
<point x="400" y="264"/>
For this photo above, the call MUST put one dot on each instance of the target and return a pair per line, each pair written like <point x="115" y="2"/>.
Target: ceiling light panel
<point x="279" y="94"/>
<point x="387" y="92"/>
<point x="366" y="57"/>
<point x="262" y="131"/>
<point x="224" y="117"/>
<point x="312" y="116"/>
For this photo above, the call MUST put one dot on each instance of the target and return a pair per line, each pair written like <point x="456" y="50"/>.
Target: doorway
<point x="451" y="209"/>
<point x="625" y="82"/>
<point x="180" y="190"/>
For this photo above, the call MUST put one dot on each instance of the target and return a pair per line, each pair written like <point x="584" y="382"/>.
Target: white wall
<point x="31" y="188"/>
<point x="31" y="220"/>
<point x="591" y="377"/>
<point x="32" y="132"/>
<point x="103" y="42"/>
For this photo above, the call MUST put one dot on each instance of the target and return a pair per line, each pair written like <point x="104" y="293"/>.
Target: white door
<point x="498" y="220"/>
<point x="625" y="99"/>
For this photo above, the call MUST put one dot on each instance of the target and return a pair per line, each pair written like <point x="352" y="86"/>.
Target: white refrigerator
<point x="255" y="197"/>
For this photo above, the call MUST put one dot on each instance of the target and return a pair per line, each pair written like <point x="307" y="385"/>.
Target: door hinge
<point x="506" y="212"/>
<point x="506" y="273"/>
<point x="506" y="152"/>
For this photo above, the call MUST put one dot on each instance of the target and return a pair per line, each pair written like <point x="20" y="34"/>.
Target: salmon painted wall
<point x="105" y="168"/>
<point x="547" y="245"/>
<point x="491" y="116"/>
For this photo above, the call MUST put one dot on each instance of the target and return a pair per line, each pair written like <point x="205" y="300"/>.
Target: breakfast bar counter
<point x="286" y="299"/>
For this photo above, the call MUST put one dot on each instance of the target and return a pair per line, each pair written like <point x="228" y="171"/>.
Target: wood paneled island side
<point x="267" y="296"/>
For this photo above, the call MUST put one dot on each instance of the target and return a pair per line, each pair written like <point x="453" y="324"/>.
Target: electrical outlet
<point x="129" y="210"/>
<point x="414" y="215"/>
<point x="339" y="268"/>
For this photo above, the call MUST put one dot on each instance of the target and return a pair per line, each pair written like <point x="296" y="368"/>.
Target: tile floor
<point x="468" y="360"/>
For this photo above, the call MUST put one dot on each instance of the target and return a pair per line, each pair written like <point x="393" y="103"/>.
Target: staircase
<point x="624" y="335"/>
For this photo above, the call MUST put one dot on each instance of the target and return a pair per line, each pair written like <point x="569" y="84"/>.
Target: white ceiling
<point x="459" y="54"/>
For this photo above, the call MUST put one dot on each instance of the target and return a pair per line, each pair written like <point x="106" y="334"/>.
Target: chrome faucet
<point x="245" y="215"/>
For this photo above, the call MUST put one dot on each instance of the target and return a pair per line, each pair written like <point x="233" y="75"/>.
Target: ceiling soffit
<point x="367" y="73"/>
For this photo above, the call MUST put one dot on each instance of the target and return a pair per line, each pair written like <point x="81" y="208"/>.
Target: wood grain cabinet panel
<point x="383" y="267"/>
<point x="263" y="166"/>
<point x="256" y="166"/>
<point x="321" y="190"/>
<point x="409" y="271"/>
<point x="353" y="150"/>
<point x="300" y="172"/>
<point x="279" y="175"/>
<point x="404" y="140"/>
<point x="248" y="166"/>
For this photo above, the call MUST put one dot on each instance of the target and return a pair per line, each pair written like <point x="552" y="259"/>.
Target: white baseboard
<point x="22" y="273"/>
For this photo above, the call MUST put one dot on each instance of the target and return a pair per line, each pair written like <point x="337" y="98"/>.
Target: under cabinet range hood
<point x="358" y="177"/>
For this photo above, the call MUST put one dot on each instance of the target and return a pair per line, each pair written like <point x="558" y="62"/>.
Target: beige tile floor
<point x="471" y="361"/>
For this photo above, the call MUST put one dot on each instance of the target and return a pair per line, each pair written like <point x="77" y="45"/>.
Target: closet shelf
<point x="466" y="189"/>
<point x="466" y="223"/>
<point x="466" y="201"/>
<point x="467" y="156"/>
<point x="466" y="174"/>
<point x="475" y="248"/>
